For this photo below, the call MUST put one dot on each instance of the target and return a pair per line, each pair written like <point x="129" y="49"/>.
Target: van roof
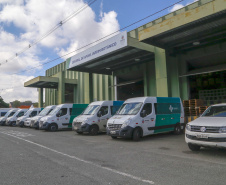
<point x="152" y="98"/>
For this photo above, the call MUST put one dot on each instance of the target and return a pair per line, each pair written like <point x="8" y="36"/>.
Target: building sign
<point x="114" y="43"/>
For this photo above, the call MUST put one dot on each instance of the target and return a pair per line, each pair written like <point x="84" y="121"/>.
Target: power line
<point x="50" y="31"/>
<point x="101" y="38"/>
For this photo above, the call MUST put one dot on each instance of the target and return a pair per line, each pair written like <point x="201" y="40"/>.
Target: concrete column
<point x="184" y="85"/>
<point x="161" y="73"/>
<point x="61" y="88"/>
<point x="40" y="97"/>
<point x="149" y="79"/>
<point x="90" y="87"/>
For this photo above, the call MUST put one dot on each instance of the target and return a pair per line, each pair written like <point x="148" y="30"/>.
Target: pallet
<point x="195" y="103"/>
<point x="186" y="111"/>
<point x="194" y="111"/>
<point x="202" y="109"/>
<point x="185" y="103"/>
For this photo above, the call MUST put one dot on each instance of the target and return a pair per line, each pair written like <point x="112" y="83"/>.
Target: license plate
<point x="202" y="136"/>
<point x="112" y="132"/>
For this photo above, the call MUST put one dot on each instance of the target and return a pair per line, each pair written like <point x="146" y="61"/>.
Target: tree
<point x="3" y="104"/>
<point x="16" y="103"/>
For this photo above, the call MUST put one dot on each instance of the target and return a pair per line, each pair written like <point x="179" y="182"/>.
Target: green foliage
<point x="3" y="104"/>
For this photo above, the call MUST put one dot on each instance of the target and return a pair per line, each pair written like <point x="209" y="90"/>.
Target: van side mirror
<point x="58" y="114"/>
<point x="143" y="113"/>
<point x="99" y="114"/>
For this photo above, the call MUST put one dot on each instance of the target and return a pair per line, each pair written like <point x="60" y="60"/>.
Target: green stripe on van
<point x="77" y="109"/>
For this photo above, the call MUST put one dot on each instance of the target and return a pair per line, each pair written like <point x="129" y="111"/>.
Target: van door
<point x="105" y="115"/>
<point x="63" y="118"/>
<point x="148" y="121"/>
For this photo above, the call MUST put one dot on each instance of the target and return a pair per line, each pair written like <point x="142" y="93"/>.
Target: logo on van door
<point x="171" y="108"/>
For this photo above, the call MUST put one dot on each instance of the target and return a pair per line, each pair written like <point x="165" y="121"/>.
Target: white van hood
<point x="49" y="118"/>
<point x="120" y="119"/>
<point x="37" y="118"/>
<point x="22" y="118"/>
<point x="209" y="121"/>
<point x="2" y="119"/>
<point x="86" y="118"/>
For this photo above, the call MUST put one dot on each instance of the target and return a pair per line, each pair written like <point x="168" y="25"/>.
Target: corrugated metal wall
<point x="102" y="86"/>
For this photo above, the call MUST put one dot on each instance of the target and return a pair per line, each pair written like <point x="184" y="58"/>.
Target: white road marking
<point x="82" y="160"/>
<point x="16" y="133"/>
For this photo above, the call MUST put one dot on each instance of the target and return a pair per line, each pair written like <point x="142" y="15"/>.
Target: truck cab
<point x="35" y="120"/>
<point x="11" y="121"/>
<point x="10" y="113"/>
<point x="94" y="118"/>
<point x="29" y="114"/>
<point x="61" y="117"/>
<point x="143" y="116"/>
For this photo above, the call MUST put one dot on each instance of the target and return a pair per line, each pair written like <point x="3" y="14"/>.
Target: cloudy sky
<point x="23" y="23"/>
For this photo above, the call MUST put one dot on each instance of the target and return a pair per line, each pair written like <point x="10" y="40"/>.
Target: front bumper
<point x="2" y="123"/>
<point x="11" y="123"/>
<point x="21" y="123"/>
<point x="81" y="128"/>
<point x="35" y="125"/>
<point x="206" y="139"/>
<point x="44" y="126"/>
<point x="125" y="132"/>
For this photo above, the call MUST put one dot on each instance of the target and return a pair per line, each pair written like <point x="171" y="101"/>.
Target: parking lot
<point x="31" y="156"/>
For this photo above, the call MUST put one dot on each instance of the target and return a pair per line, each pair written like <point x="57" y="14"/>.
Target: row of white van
<point x="134" y="118"/>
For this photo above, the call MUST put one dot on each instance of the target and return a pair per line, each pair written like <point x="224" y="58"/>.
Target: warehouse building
<point x="182" y="54"/>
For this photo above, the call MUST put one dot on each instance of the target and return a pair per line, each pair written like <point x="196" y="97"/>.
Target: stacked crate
<point x="186" y="107"/>
<point x="193" y="107"/>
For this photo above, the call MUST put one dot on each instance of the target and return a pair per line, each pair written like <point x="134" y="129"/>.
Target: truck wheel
<point x="114" y="137"/>
<point x="136" y="134"/>
<point x="53" y="127"/>
<point x="193" y="147"/>
<point x="93" y="130"/>
<point x="177" y="129"/>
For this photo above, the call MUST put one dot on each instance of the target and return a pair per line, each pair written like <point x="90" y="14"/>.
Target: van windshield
<point x="44" y="112"/>
<point x="129" y="109"/>
<point x="91" y="110"/>
<point x="215" y="111"/>
<point x="55" y="111"/>
<point x="28" y="113"/>
<point x="6" y="115"/>
<point x="11" y="114"/>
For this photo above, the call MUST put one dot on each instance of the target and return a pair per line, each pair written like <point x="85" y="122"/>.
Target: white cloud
<point x="30" y="20"/>
<point x="179" y="6"/>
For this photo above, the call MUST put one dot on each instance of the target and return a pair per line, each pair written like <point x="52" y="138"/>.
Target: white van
<point x="144" y="116"/>
<point x="61" y="117"/>
<point x="11" y="121"/>
<point x="3" y="111"/>
<point x="209" y="130"/>
<point x="35" y="120"/>
<point x="94" y="118"/>
<point x="7" y="115"/>
<point x="29" y="114"/>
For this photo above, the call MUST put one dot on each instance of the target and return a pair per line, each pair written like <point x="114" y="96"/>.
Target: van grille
<point x="32" y="122"/>
<point x="208" y="129"/>
<point x="114" y="126"/>
<point x="78" y="124"/>
<point x="41" y="123"/>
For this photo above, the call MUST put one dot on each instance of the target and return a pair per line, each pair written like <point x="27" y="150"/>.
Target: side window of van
<point x="20" y="114"/>
<point x="114" y="109"/>
<point x="148" y="108"/>
<point x="34" y="113"/>
<point x="104" y="110"/>
<point x="62" y="112"/>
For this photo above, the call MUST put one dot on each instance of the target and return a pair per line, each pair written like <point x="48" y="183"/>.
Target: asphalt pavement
<point x="29" y="156"/>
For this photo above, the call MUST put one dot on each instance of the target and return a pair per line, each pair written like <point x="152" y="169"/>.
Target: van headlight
<point x="222" y="130"/>
<point x="125" y="123"/>
<point x="188" y="127"/>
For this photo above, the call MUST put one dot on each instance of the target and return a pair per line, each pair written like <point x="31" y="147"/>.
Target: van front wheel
<point x="193" y="147"/>
<point x="177" y="129"/>
<point x="53" y="127"/>
<point x="136" y="134"/>
<point x="93" y="130"/>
